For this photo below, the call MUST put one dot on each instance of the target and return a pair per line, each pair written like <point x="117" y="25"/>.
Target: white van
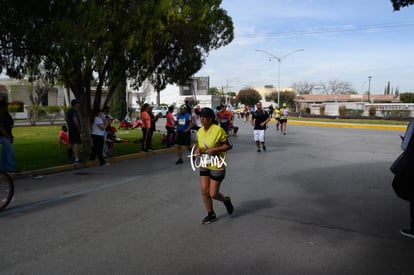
<point x="160" y="109"/>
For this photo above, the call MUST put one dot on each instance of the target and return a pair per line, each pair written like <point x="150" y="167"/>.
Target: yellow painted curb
<point x="347" y="125"/>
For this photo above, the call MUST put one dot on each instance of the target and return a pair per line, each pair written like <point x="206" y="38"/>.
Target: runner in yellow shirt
<point x="277" y="117"/>
<point x="212" y="143"/>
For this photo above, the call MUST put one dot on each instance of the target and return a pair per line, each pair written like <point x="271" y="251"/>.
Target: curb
<point x="347" y="125"/>
<point x="38" y="174"/>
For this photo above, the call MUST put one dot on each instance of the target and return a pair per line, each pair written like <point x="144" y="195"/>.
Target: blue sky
<point x="343" y="40"/>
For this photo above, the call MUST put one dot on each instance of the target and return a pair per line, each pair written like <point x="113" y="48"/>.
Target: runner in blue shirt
<point x="183" y="137"/>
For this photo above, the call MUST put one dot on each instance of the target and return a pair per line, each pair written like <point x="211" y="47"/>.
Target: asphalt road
<point x="319" y="201"/>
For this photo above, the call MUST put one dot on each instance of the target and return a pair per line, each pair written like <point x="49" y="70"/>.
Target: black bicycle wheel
<point x="6" y="189"/>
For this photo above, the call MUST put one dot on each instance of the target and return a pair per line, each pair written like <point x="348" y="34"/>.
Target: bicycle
<point x="6" y="189"/>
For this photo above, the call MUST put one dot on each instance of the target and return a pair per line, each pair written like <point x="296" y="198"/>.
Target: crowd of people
<point x="102" y="134"/>
<point x="181" y="128"/>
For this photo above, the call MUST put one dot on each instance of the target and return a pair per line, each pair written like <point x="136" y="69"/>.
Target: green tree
<point x="407" y="97"/>
<point x="387" y="89"/>
<point x="342" y="110"/>
<point x="397" y="4"/>
<point x="213" y="91"/>
<point x="248" y="97"/>
<point x="285" y="97"/>
<point x="76" y="39"/>
<point x="117" y="104"/>
<point x="52" y="112"/>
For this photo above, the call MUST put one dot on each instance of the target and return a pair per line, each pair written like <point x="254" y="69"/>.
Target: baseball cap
<point x="183" y="106"/>
<point x="284" y="104"/>
<point x="74" y="102"/>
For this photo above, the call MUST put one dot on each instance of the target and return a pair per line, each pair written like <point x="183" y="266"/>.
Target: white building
<point x="196" y="87"/>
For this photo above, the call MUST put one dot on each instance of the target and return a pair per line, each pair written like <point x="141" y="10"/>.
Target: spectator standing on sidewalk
<point x="145" y="126"/>
<point x="212" y="143"/>
<point x="74" y="128"/>
<point x="169" y="126"/>
<point x="153" y="128"/>
<point x="259" y="121"/>
<point x="195" y="119"/>
<point x="187" y="106"/>
<point x="98" y="132"/>
<point x="107" y="152"/>
<point x="7" y="162"/>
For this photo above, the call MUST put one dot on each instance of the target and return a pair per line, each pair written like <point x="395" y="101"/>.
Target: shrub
<point x="353" y="112"/>
<point x="322" y="110"/>
<point x="52" y="112"/>
<point x="396" y="113"/>
<point x="302" y="110"/>
<point x="342" y="110"/>
<point x="52" y="109"/>
<point x="372" y="111"/>
<point x="16" y="106"/>
<point x="33" y="112"/>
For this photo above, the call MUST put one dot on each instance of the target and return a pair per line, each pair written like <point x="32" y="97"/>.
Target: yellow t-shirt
<point x="277" y="113"/>
<point x="214" y="137"/>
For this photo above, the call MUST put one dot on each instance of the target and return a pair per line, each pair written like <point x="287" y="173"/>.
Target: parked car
<point x="160" y="109"/>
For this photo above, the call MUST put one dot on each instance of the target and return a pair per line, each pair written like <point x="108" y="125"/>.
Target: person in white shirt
<point x="98" y="132"/>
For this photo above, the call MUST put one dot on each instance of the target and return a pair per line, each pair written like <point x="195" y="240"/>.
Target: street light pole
<point x="369" y="89"/>
<point x="279" y="59"/>
<point x="228" y="89"/>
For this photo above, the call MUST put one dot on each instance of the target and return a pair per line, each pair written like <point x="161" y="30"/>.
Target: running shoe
<point x="264" y="148"/>
<point x="211" y="217"/>
<point x="258" y="150"/>
<point x="179" y="161"/>
<point x="229" y="205"/>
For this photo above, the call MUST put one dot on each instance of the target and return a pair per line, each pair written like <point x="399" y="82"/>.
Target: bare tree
<point x="36" y="91"/>
<point x="304" y="87"/>
<point x="336" y="87"/>
<point x="144" y="92"/>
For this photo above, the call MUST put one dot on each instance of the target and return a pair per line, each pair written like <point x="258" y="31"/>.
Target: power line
<point x="324" y="30"/>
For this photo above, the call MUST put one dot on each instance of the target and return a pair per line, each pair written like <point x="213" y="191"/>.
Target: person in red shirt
<point x="225" y="118"/>
<point x="169" y="126"/>
<point x="146" y="127"/>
